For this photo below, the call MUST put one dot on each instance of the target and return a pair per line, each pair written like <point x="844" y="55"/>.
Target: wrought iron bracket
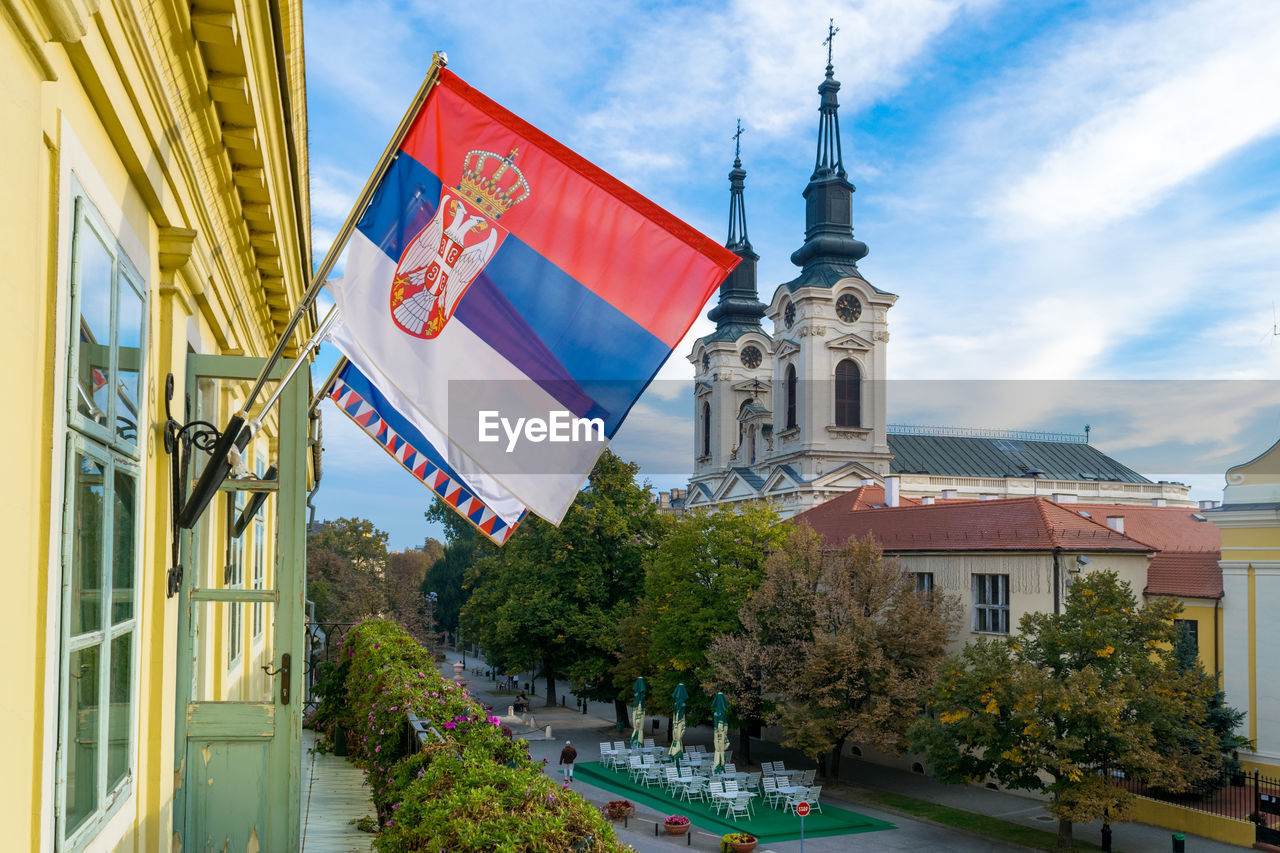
<point x="179" y="439"/>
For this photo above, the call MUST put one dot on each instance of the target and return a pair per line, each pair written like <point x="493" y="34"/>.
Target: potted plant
<point x="738" y="842"/>
<point x="619" y="809"/>
<point x="676" y="824"/>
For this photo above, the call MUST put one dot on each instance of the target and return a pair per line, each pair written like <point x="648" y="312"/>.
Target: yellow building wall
<point x="1225" y="829"/>
<point x="83" y="90"/>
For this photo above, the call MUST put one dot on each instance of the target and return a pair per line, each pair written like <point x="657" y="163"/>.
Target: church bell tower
<point x="732" y="364"/>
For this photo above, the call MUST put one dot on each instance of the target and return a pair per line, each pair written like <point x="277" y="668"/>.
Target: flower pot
<point x="618" y="813"/>
<point x="743" y="846"/>
<point x="676" y="828"/>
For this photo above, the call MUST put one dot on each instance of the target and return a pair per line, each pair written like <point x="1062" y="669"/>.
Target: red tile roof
<point x="1185" y="551"/>
<point x="1018" y="524"/>
<point x="1188" y="550"/>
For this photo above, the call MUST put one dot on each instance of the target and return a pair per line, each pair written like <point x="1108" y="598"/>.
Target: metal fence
<point x="1248" y="796"/>
<point x="324" y="643"/>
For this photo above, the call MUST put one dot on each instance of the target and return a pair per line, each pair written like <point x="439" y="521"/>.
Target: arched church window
<point x="848" y="394"/>
<point x="791" y="396"/>
<point x="706" y="429"/>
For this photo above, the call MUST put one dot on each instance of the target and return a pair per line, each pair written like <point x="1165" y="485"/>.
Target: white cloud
<point x="1131" y="112"/>
<point x="690" y="68"/>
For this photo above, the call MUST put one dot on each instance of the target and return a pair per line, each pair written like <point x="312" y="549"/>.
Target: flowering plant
<point x="736" y="838"/>
<point x="676" y="820"/>
<point x="618" y="809"/>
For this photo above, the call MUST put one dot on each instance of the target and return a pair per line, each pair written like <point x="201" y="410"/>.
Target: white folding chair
<point x="715" y="793"/>
<point x="795" y="798"/>
<point x="648" y="743"/>
<point x="740" y="806"/>
<point x="635" y="769"/>
<point x="771" y="795"/>
<point x="811" y="797"/>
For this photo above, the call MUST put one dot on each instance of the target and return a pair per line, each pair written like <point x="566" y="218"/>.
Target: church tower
<point x="732" y="365"/>
<point x="830" y="332"/>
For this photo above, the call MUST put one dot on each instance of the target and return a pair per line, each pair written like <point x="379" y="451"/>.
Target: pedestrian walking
<point x="568" y="755"/>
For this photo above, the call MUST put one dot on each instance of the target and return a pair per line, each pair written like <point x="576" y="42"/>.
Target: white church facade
<point x="799" y="415"/>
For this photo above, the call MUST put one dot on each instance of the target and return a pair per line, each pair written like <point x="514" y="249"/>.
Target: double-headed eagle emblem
<point x="444" y="258"/>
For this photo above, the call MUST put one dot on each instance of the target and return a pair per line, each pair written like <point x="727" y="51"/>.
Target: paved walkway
<point x="333" y="795"/>
<point x="598" y="724"/>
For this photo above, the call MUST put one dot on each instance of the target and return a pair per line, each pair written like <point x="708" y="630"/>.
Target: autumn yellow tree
<point x="840" y="644"/>
<point x="1071" y="699"/>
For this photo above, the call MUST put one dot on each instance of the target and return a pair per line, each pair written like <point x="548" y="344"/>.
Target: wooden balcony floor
<point x="333" y="795"/>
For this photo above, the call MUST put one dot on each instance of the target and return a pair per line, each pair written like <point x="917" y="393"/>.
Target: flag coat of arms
<point x="495" y="271"/>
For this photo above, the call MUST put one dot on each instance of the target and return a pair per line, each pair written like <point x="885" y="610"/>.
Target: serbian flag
<point x="517" y="298"/>
<point x="485" y="504"/>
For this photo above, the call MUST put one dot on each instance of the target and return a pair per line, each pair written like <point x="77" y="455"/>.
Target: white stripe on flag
<point x="544" y="476"/>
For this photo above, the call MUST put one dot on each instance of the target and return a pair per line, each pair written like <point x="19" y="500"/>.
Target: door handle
<point x="284" y="669"/>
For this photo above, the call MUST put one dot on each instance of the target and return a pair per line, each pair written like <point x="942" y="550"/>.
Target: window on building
<point x="848" y="394"/>
<point x="991" y="604"/>
<point x="924" y="581"/>
<point x="1189" y="628"/>
<point x="233" y="578"/>
<point x="706" y="429"/>
<point x="791" y="396"/>
<point x="100" y="529"/>
<point x="259" y="554"/>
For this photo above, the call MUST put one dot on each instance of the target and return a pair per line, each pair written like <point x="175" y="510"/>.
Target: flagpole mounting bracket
<point x="179" y="439"/>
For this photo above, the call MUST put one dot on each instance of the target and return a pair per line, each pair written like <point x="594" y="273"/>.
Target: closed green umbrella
<point x="720" y="718"/>
<point x="637" y="713"/>
<point x="680" y="697"/>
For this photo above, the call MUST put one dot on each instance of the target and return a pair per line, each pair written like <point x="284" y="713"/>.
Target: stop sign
<point x="802" y="809"/>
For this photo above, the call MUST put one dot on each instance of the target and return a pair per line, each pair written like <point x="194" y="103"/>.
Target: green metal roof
<point x="957" y="456"/>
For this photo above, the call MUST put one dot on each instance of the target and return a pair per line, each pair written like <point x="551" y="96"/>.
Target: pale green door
<point x="240" y="642"/>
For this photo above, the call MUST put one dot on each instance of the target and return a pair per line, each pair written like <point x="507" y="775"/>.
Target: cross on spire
<point x="737" y="142"/>
<point x="832" y="29"/>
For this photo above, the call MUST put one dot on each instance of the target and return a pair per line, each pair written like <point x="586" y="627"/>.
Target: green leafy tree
<point x="552" y="597"/>
<point x="844" y="645"/>
<point x="1070" y="699"/>
<point x="1222" y="719"/>
<point x="446" y="576"/>
<point x="346" y="560"/>
<point x="696" y="580"/>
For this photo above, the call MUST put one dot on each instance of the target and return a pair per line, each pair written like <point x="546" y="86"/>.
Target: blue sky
<point x="1057" y="191"/>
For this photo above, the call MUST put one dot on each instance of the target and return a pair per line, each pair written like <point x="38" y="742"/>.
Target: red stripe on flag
<point x="648" y="264"/>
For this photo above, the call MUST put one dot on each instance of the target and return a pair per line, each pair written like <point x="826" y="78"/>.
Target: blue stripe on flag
<point x="597" y="346"/>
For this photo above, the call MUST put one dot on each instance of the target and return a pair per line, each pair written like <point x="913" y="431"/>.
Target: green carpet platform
<point x="768" y="824"/>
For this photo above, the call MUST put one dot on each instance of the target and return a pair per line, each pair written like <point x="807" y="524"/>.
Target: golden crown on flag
<point x="493" y="182"/>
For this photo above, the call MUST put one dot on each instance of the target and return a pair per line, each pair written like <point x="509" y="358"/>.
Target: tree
<point x="1069" y="700"/>
<point x="695" y="582"/>
<point x="842" y="643"/>
<point x="1221" y="719"/>
<point x="406" y="601"/>
<point x="446" y="576"/>
<point x="346" y="559"/>
<point x="552" y="597"/>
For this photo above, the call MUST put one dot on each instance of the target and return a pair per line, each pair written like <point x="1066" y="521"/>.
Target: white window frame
<point x="991" y="598"/>
<point x="82" y="436"/>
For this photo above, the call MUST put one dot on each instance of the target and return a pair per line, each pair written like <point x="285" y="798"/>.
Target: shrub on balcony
<point x="478" y="789"/>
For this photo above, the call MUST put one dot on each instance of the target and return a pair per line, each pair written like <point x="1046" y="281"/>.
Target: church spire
<point x="828" y="231"/>
<point x="739" y="309"/>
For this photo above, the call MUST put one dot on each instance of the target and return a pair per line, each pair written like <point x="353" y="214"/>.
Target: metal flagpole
<point x="240" y="427"/>
<point x="323" y="387"/>
<point x="438" y="61"/>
